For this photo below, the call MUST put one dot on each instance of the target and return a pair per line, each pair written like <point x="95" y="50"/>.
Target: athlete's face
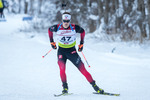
<point x="66" y="23"/>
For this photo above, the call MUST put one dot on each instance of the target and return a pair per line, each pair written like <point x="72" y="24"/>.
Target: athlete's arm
<point x="80" y="30"/>
<point x="50" y="32"/>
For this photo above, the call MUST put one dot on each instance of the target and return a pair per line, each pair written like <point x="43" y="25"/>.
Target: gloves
<point x="53" y="44"/>
<point x="80" y="47"/>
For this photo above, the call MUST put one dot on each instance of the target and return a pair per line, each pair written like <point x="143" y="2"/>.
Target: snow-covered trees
<point x="130" y="19"/>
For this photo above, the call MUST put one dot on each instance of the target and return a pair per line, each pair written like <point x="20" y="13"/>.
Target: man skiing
<point x="3" y="4"/>
<point x="1" y="8"/>
<point x="66" y="33"/>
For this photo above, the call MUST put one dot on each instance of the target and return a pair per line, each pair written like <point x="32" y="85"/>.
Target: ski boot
<point x="96" y="88"/>
<point x="65" y="88"/>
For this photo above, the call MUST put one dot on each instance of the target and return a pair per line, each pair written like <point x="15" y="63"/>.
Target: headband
<point x="66" y="17"/>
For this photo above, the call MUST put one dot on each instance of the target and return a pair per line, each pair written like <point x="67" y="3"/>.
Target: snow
<point x="25" y="75"/>
<point x="93" y="17"/>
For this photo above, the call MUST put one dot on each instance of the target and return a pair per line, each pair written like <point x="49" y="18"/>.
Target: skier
<point x="3" y="4"/>
<point x="66" y="33"/>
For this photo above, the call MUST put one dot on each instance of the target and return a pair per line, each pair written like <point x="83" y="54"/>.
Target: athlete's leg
<point x="1" y="12"/>
<point x="76" y="60"/>
<point x="82" y="69"/>
<point x="62" y="66"/>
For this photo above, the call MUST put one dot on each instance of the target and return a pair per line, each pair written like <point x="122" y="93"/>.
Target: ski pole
<point x="47" y="53"/>
<point x="85" y="59"/>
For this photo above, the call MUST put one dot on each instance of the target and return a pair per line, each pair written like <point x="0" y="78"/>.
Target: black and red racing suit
<point x="69" y="53"/>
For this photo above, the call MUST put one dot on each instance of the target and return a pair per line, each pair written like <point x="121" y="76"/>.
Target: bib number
<point x="65" y="39"/>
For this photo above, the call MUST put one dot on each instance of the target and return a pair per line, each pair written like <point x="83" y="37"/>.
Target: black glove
<point x="53" y="44"/>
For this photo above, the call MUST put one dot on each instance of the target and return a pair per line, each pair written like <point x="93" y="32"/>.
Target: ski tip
<point x="55" y="95"/>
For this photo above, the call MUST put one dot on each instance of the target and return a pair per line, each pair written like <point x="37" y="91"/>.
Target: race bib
<point x="66" y="38"/>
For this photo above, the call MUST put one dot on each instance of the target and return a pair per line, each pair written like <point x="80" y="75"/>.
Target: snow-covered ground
<point x="25" y="75"/>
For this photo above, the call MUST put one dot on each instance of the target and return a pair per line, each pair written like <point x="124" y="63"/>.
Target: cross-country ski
<point x="107" y="93"/>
